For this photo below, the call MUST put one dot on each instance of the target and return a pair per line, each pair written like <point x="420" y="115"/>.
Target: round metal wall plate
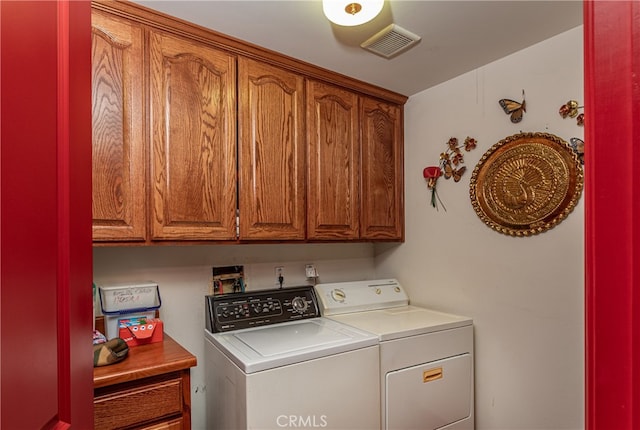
<point x="526" y="184"/>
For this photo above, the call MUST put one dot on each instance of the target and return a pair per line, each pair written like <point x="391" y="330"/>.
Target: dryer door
<point x="431" y="395"/>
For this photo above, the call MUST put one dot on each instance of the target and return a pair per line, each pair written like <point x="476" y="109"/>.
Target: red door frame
<point x="612" y="211"/>
<point x="45" y="221"/>
<point x="612" y="56"/>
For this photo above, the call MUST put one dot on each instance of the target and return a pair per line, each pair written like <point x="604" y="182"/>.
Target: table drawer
<point x="138" y="404"/>
<point x="175" y="424"/>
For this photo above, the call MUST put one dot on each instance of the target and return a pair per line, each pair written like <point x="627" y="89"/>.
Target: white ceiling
<point x="457" y="36"/>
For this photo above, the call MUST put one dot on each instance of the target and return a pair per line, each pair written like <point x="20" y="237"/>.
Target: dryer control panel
<point x="357" y="296"/>
<point x="226" y="312"/>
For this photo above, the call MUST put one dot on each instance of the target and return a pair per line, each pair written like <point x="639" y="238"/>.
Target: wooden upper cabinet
<point x="382" y="213"/>
<point x="333" y="137"/>
<point x="199" y="137"/>
<point x="118" y="145"/>
<point x="193" y="140"/>
<point x="271" y="164"/>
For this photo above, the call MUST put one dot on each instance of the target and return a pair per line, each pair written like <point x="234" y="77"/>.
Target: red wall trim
<point x="64" y="388"/>
<point x="77" y="310"/>
<point x="635" y="237"/>
<point x="612" y="43"/>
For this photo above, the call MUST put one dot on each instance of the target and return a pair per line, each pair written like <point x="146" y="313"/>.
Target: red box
<point x="140" y="330"/>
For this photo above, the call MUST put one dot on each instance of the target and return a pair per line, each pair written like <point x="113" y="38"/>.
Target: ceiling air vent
<point x="390" y="41"/>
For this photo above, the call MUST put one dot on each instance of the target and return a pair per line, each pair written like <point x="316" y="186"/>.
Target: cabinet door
<point x="270" y="115"/>
<point x="117" y="122"/>
<point x="193" y="150"/>
<point x="333" y="162"/>
<point x="382" y="214"/>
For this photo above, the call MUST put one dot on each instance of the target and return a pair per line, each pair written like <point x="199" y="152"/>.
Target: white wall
<point x="184" y="273"/>
<point x="524" y="294"/>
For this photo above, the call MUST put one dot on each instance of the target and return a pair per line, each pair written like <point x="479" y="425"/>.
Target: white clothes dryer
<point x="426" y="357"/>
<point x="272" y="362"/>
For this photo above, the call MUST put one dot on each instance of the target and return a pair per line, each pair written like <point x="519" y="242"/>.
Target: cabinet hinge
<point x="237" y="223"/>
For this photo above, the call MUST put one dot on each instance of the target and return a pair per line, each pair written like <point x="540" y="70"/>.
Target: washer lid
<point x="404" y="321"/>
<point x="291" y="338"/>
<point x="267" y="347"/>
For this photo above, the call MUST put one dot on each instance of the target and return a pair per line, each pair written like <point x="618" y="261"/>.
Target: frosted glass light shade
<point x="350" y="13"/>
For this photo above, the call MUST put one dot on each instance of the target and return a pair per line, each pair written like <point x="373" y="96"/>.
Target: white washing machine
<point x="272" y="362"/>
<point x="426" y="357"/>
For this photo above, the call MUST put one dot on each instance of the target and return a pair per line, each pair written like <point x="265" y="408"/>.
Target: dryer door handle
<point x="432" y="374"/>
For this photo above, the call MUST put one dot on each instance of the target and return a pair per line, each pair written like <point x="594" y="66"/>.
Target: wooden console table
<point x="149" y="390"/>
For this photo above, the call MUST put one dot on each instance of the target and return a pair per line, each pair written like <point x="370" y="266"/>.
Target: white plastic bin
<point x="127" y="300"/>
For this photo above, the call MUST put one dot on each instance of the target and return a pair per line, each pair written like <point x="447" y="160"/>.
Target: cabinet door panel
<point x="333" y="162"/>
<point x="193" y="140"/>
<point x="118" y="140"/>
<point x="382" y="215"/>
<point x="271" y="114"/>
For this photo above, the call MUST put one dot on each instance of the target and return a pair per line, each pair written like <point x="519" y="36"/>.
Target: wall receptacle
<point x="279" y="275"/>
<point x="310" y="271"/>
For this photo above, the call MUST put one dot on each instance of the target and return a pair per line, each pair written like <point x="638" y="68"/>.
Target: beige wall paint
<point x="524" y="294"/>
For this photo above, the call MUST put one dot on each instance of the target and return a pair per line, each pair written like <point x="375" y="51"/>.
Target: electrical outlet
<point x="310" y="271"/>
<point x="279" y="276"/>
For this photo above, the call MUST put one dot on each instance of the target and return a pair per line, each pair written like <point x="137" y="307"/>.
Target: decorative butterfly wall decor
<point x="513" y="108"/>
<point x="456" y="174"/>
<point x="578" y="147"/>
<point x="449" y="166"/>
<point x="451" y="159"/>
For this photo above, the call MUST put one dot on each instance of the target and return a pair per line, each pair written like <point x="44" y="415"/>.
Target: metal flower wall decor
<point x="449" y="166"/>
<point x="571" y="109"/>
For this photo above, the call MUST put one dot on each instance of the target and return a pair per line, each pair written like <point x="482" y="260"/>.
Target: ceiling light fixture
<point x="350" y="13"/>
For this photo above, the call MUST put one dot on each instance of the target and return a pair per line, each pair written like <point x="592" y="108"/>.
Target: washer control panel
<point x="226" y="312"/>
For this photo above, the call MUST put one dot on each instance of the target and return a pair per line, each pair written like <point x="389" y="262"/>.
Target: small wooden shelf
<point x="159" y="372"/>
